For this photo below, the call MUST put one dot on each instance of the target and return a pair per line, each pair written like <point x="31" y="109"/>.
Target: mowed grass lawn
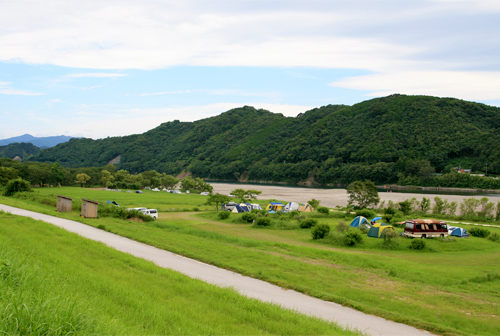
<point x="451" y="287"/>
<point x="53" y="282"/>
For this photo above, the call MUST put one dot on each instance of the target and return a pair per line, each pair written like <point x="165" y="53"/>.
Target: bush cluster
<point x="417" y="244"/>
<point x="352" y="237"/>
<point x="248" y="217"/>
<point x="494" y="237"/>
<point x="263" y="221"/>
<point x="224" y="214"/>
<point x="479" y="232"/>
<point x="308" y="223"/>
<point x="320" y="231"/>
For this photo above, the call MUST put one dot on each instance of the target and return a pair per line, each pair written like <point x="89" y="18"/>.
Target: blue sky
<point x="112" y="68"/>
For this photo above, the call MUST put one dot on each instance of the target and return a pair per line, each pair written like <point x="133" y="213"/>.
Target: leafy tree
<point x="58" y="172"/>
<point x="439" y="205"/>
<point x="169" y="181"/>
<point x="203" y="186"/>
<point x="7" y="174"/>
<point x="17" y="185"/>
<point x="82" y="179"/>
<point x="468" y="206"/>
<point x="188" y="183"/>
<point x="405" y="207"/>
<point x="363" y="194"/>
<point x="107" y="178"/>
<point x="217" y="199"/>
<point x="425" y="204"/>
<point x="314" y="203"/>
<point x="245" y="195"/>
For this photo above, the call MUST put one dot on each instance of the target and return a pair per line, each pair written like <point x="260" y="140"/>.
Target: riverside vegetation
<point x="448" y="286"/>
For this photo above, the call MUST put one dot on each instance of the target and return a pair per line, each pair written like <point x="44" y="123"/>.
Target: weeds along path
<point x="250" y="287"/>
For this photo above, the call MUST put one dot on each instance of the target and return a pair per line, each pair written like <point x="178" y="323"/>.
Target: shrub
<point x="389" y="239"/>
<point x="320" y="231"/>
<point x="308" y="223"/>
<point x="15" y="186"/>
<point x="342" y="226"/>
<point x="248" y="217"/>
<point x="479" y="232"/>
<point x="353" y="237"/>
<point x="224" y="214"/>
<point x="263" y="221"/>
<point x="367" y="213"/>
<point x="417" y="244"/>
<point x="324" y="210"/>
<point x="494" y="237"/>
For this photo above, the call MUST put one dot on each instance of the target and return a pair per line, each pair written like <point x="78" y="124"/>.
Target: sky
<point x="112" y="68"/>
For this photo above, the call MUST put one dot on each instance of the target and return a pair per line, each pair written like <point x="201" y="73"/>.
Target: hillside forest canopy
<point x="408" y="140"/>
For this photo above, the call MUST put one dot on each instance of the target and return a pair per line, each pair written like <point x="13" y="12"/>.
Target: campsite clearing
<point x="428" y="289"/>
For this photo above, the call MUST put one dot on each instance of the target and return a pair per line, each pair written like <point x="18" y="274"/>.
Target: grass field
<point x="451" y="287"/>
<point x="53" y="282"/>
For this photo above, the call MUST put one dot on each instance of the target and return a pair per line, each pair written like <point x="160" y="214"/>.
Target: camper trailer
<point x="425" y="228"/>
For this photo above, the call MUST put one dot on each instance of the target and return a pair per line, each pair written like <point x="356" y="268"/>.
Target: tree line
<point x="53" y="174"/>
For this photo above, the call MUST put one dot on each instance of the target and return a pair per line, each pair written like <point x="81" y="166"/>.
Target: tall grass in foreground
<point x="53" y="282"/>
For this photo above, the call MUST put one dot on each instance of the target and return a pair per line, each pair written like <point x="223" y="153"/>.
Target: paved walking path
<point x="250" y="287"/>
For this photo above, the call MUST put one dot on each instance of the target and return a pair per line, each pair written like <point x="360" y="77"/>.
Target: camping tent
<point x="238" y="208"/>
<point x="255" y="206"/>
<point x="306" y="208"/>
<point x="292" y="206"/>
<point x="378" y="229"/>
<point x="375" y="219"/>
<point x="246" y="207"/>
<point x="360" y="221"/>
<point x="457" y="232"/>
<point x="274" y="207"/>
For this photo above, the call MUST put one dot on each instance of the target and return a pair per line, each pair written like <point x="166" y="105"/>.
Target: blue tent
<point x="360" y="221"/>
<point x="375" y="219"/>
<point x="457" y="232"/>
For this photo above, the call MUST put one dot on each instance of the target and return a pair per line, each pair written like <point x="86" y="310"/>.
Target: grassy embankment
<point x="451" y="287"/>
<point x="53" y="282"/>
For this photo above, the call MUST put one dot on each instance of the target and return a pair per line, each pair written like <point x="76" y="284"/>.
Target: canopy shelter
<point x="375" y="219"/>
<point x="378" y="230"/>
<point x="360" y="221"/>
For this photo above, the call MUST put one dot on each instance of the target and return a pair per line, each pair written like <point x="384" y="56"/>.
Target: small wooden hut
<point x="64" y="203"/>
<point x="89" y="208"/>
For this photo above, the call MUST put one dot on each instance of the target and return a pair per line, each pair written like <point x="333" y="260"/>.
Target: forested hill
<point x="381" y="139"/>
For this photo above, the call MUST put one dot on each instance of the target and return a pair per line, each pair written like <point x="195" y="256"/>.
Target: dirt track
<point x="330" y="197"/>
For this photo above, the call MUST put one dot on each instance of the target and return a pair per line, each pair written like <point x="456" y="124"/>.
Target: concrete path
<point x="250" y="287"/>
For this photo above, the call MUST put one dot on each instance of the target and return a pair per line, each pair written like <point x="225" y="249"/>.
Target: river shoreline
<point x="334" y="197"/>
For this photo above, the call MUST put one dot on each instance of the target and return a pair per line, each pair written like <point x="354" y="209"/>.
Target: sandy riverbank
<point x="330" y="197"/>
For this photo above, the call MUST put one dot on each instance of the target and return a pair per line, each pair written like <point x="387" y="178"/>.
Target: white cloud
<point x="5" y="88"/>
<point x="97" y="75"/>
<point x="464" y="85"/>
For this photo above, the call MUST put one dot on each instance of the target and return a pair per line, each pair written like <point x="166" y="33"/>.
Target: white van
<point x="151" y="212"/>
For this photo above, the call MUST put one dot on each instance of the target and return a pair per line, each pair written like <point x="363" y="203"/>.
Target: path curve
<point x="249" y="287"/>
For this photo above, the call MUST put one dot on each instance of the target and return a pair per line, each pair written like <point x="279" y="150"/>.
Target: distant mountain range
<point x="382" y="139"/>
<point x="40" y="142"/>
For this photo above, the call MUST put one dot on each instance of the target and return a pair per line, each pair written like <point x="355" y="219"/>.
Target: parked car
<point x="228" y="206"/>
<point x="151" y="212"/>
<point x="204" y="193"/>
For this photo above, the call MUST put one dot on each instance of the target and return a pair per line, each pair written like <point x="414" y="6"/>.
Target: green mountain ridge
<point x="378" y="139"/>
